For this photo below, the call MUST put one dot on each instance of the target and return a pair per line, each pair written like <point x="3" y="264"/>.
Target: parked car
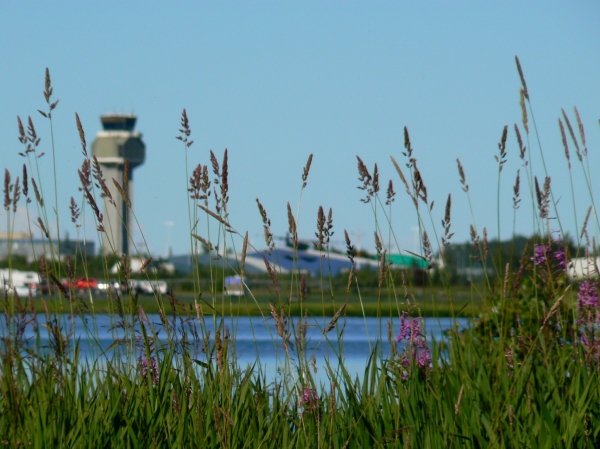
<point x="47" y="287"/>
<point x="22" y="291"/>
<point x="113" y="286"/>
<point x="81" y="284"/>
<point x="152" y="287"/>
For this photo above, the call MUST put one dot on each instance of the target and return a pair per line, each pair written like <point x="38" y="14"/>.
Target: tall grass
<point x="523" y="374"/>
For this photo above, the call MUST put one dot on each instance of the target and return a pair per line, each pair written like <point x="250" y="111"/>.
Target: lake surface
<point x="256" y="338"/>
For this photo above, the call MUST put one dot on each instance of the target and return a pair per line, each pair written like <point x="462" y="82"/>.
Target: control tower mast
<point x="115" y="144"/>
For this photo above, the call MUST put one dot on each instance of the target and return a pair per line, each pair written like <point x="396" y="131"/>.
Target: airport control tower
<point x="115" y="144"/>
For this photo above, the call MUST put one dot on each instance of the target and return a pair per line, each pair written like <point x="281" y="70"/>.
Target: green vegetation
<point x="523" y="374"/>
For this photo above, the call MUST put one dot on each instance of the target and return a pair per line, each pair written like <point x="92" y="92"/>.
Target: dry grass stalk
<point x="461" y="174"/>
<point x="85" y="175"/>
<point x="366" y="179"/>
<point x="227" y="417"/>
<point x="58" y="284"/>
<point x="564" y="141"/>
<point x="22" y="135"/>
<point x="125" y="266"/>
<point x="122" y="192"/>
<point x="219" y="347"/>
<point x="7" y="189"/>
<point x="522" y="148"/>
<point x="280" y="325"/>
<point x="143" y="316"/>
<point x="405" y="287"/>
<point x="404" y="181"/>
<point x="225" y="183"/>
<point x="350" y="279"/>
<point x="524" y="118"/>
<point x="407" y="144"/>
<point x="244" y="249"/>
<point x="303" y="288"/>
<point x="522" y="265"/>
<point x="581" y="131"/>
<point x="86" y="183"/>
<point x="390" y="194"/>
<point x="272" y="274"/>
<point x="382" y="268"/>
<point x="266" y="226"/>
<point x="568" y="122"/>
<point x="486" y="247"/>
<point x="335" y="319"/>
<point x="306" y="170"/>
<point x="585" y="222"/>
<point x="215" y="216"/>
<point x="474" y="236"/>
<point x="516" y="191"/>
<point x="75" y="211"/>
<point x="427" y="250"/>
<point x="25" y="184"/>
<point x="195" y="182"/>
<point x="145" y="264"/>
<point x="81" y="136"/>
<point x="446" y="222"/>
<point x="98" y="175"/>
<point x="543" y="196"/>
<point x="506" y="278"/>
<point x="301" y="332"/>
<point x="292" y="227"/>
<point x="320" y="234"/>
<point x="215" y="164"/>
<point x="43" y="228"/>
<point x="391" y="338"/>
<point x="48" y="90"/>
<point x="199" y="313"/>
<point x="402" y="177"/>
<point x="32" y="136"/>
<point x="554" y="308"/>
<point x="523" y="83"/>
<point x="207" y="245"/>
<point x="418" y="183"/>
<point x="350" y="252"/>
<point x="501" y="159"/>
<point x="459" y="400"/>
<point x="185" y="130"/>
<point x="218" y="423"/>
<point x="16" y="194"/>
<point x="378" y="244"/>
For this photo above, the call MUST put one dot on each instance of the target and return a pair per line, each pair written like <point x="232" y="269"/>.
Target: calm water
<point x="256" y="338"/>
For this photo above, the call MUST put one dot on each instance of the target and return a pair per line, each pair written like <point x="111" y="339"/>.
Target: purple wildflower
<point x="423" y="356"/>
<point x="309" y="399"/>
<point x="561" y="259"/>
<point x="541" y="254"/>
<point x="417" y="351"/>
<point x="149" y="370"/>
<point x="592" y="348"/>
<point x="587" y="298"/>
<point x="410" y="329"/>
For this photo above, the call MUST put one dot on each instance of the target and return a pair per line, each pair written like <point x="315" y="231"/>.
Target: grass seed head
<point x="306" y="170"/>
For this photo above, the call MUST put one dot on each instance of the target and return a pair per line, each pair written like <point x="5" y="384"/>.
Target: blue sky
<point x="276" y="81"/>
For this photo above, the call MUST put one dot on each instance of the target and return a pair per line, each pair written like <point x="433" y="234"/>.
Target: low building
<point x="32" y="248"/>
